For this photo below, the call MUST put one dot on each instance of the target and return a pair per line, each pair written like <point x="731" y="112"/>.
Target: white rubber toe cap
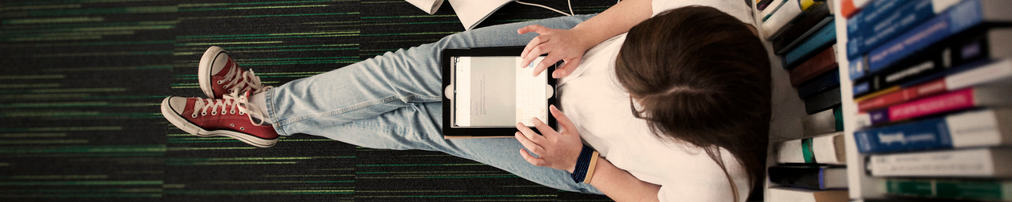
<point x="178" y="104"/>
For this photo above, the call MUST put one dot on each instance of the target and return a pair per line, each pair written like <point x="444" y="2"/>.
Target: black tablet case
<point x="487" y="132"/>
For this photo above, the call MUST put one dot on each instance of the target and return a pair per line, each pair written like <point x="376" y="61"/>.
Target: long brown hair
<point x="701" y="76"/>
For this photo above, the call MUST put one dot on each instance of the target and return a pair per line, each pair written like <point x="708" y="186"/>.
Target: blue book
<point x="825" y="37"/>
<point x="963" y="16"/>
<point x="873" y="12"/>
<point x="891" y="19"/>
<point x="968" y="129"/>
<point x="819" y="84"/>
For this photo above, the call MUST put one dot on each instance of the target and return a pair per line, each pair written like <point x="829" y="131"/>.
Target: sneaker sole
<point x="204" y="70"/>
<point x="191" y="128"/>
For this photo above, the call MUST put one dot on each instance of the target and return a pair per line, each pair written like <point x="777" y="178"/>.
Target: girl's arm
<point x="619" y="185"/>
<point x="570" y="45"/>
<point x="560" y="150"/>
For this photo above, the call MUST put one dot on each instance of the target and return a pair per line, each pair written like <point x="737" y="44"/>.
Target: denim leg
<point x="418" y="126"/>
<point x="374" y="86"/>
<point x="393" y="102"/>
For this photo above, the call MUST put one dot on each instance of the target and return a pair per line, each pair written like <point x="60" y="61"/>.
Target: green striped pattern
<point x="83" y="81"/>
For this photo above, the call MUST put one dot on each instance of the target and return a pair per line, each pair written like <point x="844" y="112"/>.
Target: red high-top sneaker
<point x="219" y="75"/>
<point x="227" y="117"/>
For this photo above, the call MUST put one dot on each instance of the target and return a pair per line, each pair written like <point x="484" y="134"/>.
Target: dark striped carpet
<point x="82" y="81"/>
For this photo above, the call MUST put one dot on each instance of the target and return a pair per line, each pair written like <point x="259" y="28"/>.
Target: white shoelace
<point x="237" y="102"/>
<point x="250" y="81"/>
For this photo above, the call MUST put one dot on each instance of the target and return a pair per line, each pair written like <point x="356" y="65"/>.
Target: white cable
<point x="570" y="7"/>
<point x="550" y="8"/>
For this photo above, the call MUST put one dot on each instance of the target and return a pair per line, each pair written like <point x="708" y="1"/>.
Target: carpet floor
<point x="83" y="79"/>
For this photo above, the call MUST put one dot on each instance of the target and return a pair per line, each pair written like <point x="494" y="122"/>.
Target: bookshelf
<point x="787" y="108"/>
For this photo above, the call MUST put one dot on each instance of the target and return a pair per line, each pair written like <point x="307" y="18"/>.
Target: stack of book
<point x="810" y="169"/>
<point x="803" y="34"/>
<point x="933" y="88"/>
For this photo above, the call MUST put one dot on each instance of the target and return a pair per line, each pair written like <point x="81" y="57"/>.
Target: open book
<point x="470" y="12"/>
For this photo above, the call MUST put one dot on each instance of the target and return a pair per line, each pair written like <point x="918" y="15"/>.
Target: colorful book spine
<point x="821" y="63"/>
<point x="979" y="96"/>
<point x="959" y="54"/>
<point x="988" y="127"/>
<point x="801" y="29"/>
<point x="762" y="4"/>
<point x="825" y="149"/>
<point x="992" y="72"/>
<point x="872" y="12"/>
<point x="768" y="12"/>
<point x="988" y="190"/>
<point x="960" y="17"/>
<point x="975" y="162"/>
<point x="882" y="21"/>
<point x="823" y="38"/>
<point x="848" y="8"/>
<point x="819" y="84"/>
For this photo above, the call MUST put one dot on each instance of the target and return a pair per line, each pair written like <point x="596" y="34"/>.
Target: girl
<point x="677" y="109"/>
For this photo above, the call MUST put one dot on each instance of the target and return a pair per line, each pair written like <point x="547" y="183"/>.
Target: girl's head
<point x="701" y="76"/>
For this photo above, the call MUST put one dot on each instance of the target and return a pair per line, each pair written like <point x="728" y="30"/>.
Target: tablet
<point x="486" y="92"/>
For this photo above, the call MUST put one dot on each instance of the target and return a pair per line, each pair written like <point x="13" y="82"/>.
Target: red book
<point x="992" y="72"/>
<point x="848" y="9"/>
<point x="998" y="95"/>
<point x="815" y="66"/>
<point x="925" y="89"/>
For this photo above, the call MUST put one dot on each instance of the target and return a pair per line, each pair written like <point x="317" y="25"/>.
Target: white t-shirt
<point x="599" y="106"/>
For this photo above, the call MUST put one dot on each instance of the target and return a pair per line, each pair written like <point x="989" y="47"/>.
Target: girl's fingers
<point x="567" y="68"/>
<point x="530" y="45"/>
<point x="561" y="118"/>
<point x="543" y="128"/>
<point x="549" y="60"/>
<point x="530" y="134"/>
<point x="534" y="148"/>
<point x="531" y="159"/>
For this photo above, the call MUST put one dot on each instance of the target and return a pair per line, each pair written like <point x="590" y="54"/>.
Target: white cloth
<point x="600" y="108"/>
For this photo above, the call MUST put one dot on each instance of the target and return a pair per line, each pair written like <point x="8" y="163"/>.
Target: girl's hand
<point x="560" y="44"/>
<point x="556" y="150"/>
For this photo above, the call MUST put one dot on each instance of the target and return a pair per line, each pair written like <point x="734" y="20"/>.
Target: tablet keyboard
<point x="531" y="99"/>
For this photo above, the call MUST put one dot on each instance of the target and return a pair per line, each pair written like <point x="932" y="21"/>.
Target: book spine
<point x="819" y="84"/>
<point x="802" y="177"/>
<point x="968" y="129"/>
<point x="803" y="28"/>
<point x="930" y="88"/>
<point x="978" y="162"/>
<point x="767" y="13"/>
<point x="891" y="20"/>
<point x="991" y="190"/>
<point x="849" y="8"/>
<point x="761" y="4"/>
<point x="828" y="148"/>
<point x="956" y="100"/>
<point x="777" y="21"/>
<point x="821" y="39"/>
<point x="963" y="16"/>
<point x="996" y="71"/>
<point x="818" y="64"/>
<point x="921" y="135"/>
<point x="870" y="14"/>
<point x="826" y="100"/>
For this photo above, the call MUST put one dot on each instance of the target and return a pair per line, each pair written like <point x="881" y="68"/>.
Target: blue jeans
<point x="394" y="101"/>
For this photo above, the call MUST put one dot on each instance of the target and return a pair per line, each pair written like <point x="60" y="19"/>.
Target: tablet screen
<point x="493" y="91"/>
